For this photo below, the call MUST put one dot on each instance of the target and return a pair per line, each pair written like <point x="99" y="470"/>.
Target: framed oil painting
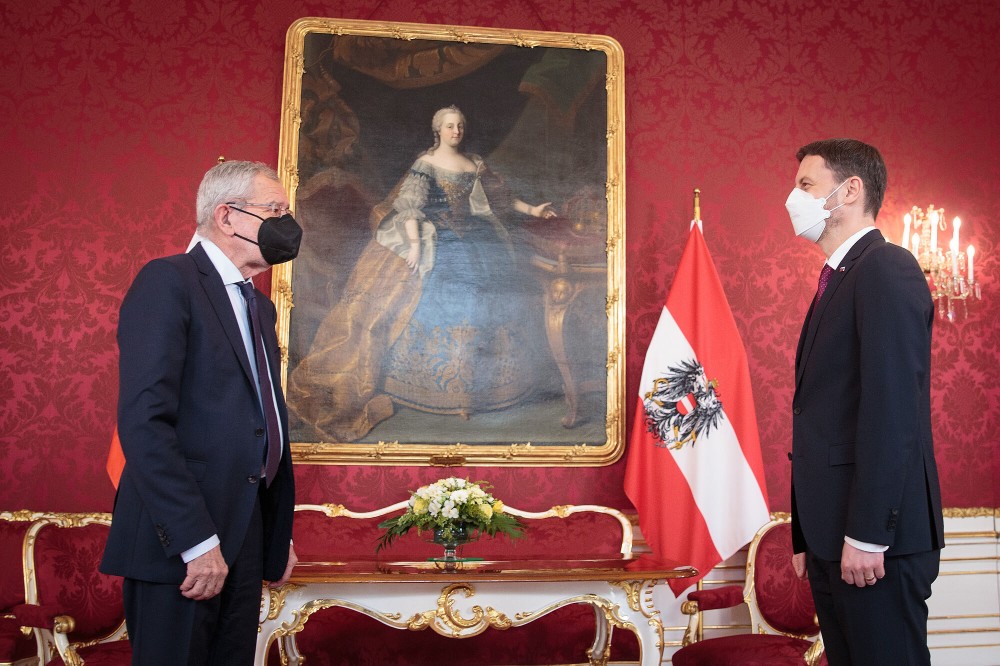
<point x="459" y="295"/>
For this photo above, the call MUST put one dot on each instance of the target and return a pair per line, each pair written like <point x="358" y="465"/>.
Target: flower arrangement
<point x="451" y="507"/>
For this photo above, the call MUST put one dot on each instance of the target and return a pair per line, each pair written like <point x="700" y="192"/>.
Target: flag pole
<point x="697" y="210"/>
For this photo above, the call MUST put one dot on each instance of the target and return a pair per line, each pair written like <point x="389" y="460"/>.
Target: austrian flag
<point x="694" y="470"/>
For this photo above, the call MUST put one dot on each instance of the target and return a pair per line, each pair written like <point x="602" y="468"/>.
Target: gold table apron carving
<point x="475" y="597"/>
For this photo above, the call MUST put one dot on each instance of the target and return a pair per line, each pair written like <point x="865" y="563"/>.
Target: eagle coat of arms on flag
<point x="682" y="405"/>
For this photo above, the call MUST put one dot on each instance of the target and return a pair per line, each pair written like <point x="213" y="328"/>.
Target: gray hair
<point x="227" y="181"/>
<point x="436" y="123"/>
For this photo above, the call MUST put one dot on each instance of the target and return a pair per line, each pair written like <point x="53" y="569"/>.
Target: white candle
<point x="955" y="224"/>
<point x="916" y="245"/>
<point x="932" y="219"/>
<point x="907" y="220"/>
<point x="954" y="257"/>
<point x="972" y="253"/>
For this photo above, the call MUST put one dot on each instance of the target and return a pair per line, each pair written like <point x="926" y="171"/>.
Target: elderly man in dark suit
<point x="866" y="504"/>
<point x="204" y="507"/>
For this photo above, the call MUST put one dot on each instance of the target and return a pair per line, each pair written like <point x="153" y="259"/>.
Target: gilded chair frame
<point x="23" y="516"/>
<point x="57" y="638"/>
<point x="758" y="623"/>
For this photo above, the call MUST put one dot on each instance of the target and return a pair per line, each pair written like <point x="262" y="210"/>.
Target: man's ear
<point x="220" y="219"/>
<point x="854" y="190"/>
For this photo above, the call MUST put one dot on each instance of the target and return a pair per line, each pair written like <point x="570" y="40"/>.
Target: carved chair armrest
<point x="53" y="619"/>
<point x="703" y="600"/>
<point x="34" y="615"/>
<point x="716" y="598"/>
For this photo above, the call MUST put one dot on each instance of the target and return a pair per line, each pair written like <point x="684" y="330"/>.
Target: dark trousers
<point x="168" y="629"/>
<point x="884" y="623"/>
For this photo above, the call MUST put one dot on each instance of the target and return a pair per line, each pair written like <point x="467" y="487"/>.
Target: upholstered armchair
<point x="17" y="645"/>
<point x="69" y="602"/>
<point x="783" y="628"/>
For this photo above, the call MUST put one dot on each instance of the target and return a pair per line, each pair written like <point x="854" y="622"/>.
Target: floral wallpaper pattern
<point x="115" y="108"/>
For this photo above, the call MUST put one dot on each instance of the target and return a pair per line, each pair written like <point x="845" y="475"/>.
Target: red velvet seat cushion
<point x="115" y="653"/>
<point x="744" y="650"/>
<point x="66" y="561"/>
<point x="784" y="600"/>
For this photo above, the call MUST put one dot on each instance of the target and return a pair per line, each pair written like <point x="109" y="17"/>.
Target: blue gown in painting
<point x="447" y="339"/>
<point x="463" y="350"/>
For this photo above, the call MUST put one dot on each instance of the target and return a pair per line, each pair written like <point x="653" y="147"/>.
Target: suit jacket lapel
<point x="817" y="309"/>
<point x="212" y="283"/>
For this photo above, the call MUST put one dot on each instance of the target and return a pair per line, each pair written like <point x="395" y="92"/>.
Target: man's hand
<point x="205" y="575"/>
<point x="292" y="561"/>
<point x="861" y="568"/>
<point x="799" y="565"/>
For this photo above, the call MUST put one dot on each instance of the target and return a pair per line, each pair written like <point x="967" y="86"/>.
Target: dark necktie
<point x="824" y="279"/>
<point x="266" y="393"/>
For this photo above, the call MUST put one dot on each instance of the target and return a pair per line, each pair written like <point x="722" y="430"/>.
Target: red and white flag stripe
<point x="700" y="502"/>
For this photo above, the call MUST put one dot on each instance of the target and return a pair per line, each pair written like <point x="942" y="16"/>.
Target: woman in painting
<point x="429" y="318"/>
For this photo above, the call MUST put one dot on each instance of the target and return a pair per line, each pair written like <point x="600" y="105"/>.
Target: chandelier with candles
<point x="950" y="271"/>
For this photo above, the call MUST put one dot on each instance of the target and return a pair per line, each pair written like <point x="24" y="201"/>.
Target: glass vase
<point x="450" y="538"/>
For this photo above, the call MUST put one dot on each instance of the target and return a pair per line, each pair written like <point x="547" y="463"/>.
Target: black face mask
<point x="278" y="237"/>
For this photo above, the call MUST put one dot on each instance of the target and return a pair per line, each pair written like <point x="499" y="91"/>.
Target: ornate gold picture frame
<point x="459" y="295"/>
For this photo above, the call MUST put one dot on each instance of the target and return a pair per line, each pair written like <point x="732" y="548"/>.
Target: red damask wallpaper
<point x="115" y="108"/>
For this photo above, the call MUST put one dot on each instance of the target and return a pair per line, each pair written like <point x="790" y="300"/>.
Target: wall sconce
<point x="950" y="272"/>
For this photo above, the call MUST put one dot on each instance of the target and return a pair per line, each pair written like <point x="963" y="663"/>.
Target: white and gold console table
<point x="475" y="596"/>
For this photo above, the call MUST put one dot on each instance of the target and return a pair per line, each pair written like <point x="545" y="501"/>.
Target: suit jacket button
<point x="253" y="478"/>
<point x="789" y="455"/>
<point x="259" y="432"/>
<point x="797" y="410"/>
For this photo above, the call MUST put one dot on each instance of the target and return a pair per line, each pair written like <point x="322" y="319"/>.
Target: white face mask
<point x="808" y="213"/>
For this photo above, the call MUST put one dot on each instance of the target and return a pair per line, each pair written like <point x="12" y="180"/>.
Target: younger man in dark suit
<point x="866" y="504"/>
<point x="204" y="506"/>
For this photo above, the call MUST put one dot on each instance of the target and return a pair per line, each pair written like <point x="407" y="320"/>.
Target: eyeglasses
<point x="277" y="210"/>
